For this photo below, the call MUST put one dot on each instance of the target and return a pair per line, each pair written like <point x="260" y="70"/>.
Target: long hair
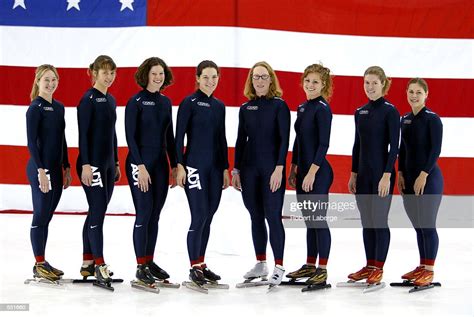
<point x="39" y="72"/>
<point x="273" y="91"/>
<point x="379" y="72"/>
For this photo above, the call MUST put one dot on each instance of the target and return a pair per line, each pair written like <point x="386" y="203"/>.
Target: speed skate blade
<point x="315" y="287"/>
<point x="249" y="283"/>
<point x="216" y="286"/>
<point x="144" y="287"/>
<point x="104" y="286"/>
<point x="410" y="284"/>
<point x="44" y="283"/>
<point x="293" y="283"/>
<point x="195" y="287"/>
<point x="420" y="288"/>
<point x="352" y="283"/>
<point x="167" y="284"/>
<point x="374" y="287"/>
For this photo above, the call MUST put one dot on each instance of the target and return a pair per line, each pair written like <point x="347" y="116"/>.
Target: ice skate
<point x="299" y="276"/>
<point x="374" y="280"/>
<point x="355" y="278"/>
<point x="87" y="271"/>
<point x="103" y="278"/>
<point x="161" y="276"/>
<point x="423" y="282"/>
<point x="43" y="274"/>
<point x="144" y="280"/>
<point x="56" y="271"/>
<point x="197" y="281"/>
<point x="276" y="277"/>
<point x="317" y="281"/>
<point x="157" y="272"/>
<point x="260" y="272"/>
<point x="212" y="280"/>
<point x="412" y="275"/>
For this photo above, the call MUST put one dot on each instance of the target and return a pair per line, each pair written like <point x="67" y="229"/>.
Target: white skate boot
<point x="259" y="271"/>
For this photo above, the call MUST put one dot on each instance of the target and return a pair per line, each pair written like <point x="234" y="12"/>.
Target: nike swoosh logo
<point x="34" y="227"/>
<point x="138" y="226"/>
<point x="138" y="99"/>
<point x="92" y="227"/>
<point x="193" y="99"/>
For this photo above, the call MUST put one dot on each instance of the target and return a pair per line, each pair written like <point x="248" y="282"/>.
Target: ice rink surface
<point x="230" y="254"/>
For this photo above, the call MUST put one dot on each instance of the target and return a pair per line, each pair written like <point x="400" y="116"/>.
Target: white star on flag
<point x="73" y="4"/>
<point x="19" y="3"/>
<point x="126" y="4"/>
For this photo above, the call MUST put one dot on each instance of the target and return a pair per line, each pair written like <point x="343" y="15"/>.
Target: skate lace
<point x="105" y="271"/>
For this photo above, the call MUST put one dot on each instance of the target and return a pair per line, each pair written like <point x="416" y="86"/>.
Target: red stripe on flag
<point x="456" y="171"/>
<point x="421" y="18"/>
<point x="448" y="97"/>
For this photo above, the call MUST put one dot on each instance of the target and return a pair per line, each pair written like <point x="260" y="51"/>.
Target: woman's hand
<point x="275" y="179"/>
<point x="43" y="181"/>
<point x="144" y="179"/>
<point x="67" y="179"/>
<point x="181" y="176"/>
<point x="86" y="175"/>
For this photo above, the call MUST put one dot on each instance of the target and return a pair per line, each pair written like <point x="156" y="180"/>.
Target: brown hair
<point x="274" y="89"/>
<point x="141" y="75"/>
<point x="419" y="81"/>
<point x="326" y="78"/>
<point x="101" y="62"/>
<point x="39" y="72"/>
<point x="203" y="65"/>
<point x="379" y="72"/>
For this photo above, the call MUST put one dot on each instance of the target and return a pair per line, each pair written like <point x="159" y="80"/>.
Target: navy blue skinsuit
<point x="48" y="150"/>
<point x="202" y="119"/>
<point x="313" y="130"/>
<point x="96" y="118"/>
<point x="262" y="144"/>
<point x="420" y="148"/>
<point x="149" y="131"/>
<point x="374" y="153"/>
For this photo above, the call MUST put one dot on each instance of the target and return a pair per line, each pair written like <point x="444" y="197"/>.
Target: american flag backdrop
<point x="419" y="38"/>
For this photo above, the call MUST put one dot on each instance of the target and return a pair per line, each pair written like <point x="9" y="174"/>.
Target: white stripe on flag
<point x="238" y="47"/>
<point x="13" y="122"/>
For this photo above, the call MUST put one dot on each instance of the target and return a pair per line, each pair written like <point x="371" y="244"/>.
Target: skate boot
<point x="210" y="276"/>
<point x="362" y="274"/>
<point x="103" y="279"/>
<point x="44" y="271"/>
<point x="157" y="272"/>
<point x="375" y="276"/>
<point x="260" y="270"/>
<point x="197" y="276"/>
<point x="413" y="275"/>
<point x="277" y="276"/>
<point x="305" y="271"/>
<point x="424" y="279"/>
<point x="319" y="278"/>
<point x="56" y="271"/>
<point x="102" y="273"/>
<point x="144" y="275"/>
<point x="88" y="270"/>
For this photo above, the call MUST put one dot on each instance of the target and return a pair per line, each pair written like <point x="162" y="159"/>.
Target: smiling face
<point x="208" y="80"/>
<point x="313" y="85"/>
<point x="47" y="84"/>
<point x="416" y="95"/>
<point x="104" y="78"/>
<point x="261" y="81"/>
<point x="156" y="78"/>
<point x="373" y="86"/>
